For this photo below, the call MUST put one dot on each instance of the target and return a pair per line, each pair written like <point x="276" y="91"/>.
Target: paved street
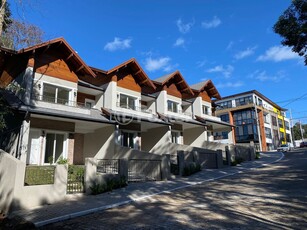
<point x="272" y="197"/>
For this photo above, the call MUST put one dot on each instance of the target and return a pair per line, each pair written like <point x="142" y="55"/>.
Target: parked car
<point x="303" y="144"/>
<point x="284" y="148"/>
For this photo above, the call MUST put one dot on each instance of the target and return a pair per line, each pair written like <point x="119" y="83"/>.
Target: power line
<point x="296" y="99"/>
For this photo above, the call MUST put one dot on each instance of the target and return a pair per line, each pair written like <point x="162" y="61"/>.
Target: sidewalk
<point x="80" y="204"/>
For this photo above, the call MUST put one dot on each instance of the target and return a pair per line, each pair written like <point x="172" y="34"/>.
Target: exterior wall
<point x="14" y="195"/>
<point x="195" y="136"/>
<point x="99" y="101"/>
<point x="197" y="106"/>
<point x="100" y="144"/>
<point x="155" y="140"/>
<point x="110" y="96"/>
<point x="129" y="83"/>
<point x="70" y="148"/>
<point x="262" y="131"/>
<point x="161" y="102"/>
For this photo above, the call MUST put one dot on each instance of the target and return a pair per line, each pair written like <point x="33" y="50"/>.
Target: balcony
<point x="143" y="109"/>
<point x="59" y="104"/>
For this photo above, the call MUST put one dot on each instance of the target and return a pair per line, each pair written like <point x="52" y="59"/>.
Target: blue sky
<point x="230" y="42"/>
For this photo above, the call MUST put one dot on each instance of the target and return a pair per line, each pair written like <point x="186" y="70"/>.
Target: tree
<point x="292" y="26"/>
<point x="5" y="16"/>
<point x="20" y="35"/>
<point x="297" y="133"/>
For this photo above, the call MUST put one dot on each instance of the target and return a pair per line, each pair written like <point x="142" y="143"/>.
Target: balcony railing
<point x="60" y="101"/>
<point x="142" y="108"/>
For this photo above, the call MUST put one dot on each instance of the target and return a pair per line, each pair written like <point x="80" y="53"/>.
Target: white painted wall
<point x="110" y="95"/>
<point x="162" y="102"/>
<point x="197" y="106"/>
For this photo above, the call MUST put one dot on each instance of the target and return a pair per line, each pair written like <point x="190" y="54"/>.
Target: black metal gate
<point x="75" y="179"/>
<point x="140" y="170"/>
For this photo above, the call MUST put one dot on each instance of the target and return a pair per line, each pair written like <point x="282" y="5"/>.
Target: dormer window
<point x="172" y="106"/>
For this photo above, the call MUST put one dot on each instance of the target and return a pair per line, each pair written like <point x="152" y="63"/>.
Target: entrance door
<point x="34" y="147"/>
<point x="54" y="147"/>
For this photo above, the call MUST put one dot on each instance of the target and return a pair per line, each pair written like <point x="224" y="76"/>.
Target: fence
<point x="75" y="179"/>
<point x="110" y="166"/>
<point x="144" y="170"/>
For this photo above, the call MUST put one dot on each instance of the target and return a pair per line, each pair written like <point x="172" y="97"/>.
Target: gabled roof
<point x="137" y="72"/>
<point x="71" y="56"/>
<point x="178" y="80"/>
<point x="207" y="86"/>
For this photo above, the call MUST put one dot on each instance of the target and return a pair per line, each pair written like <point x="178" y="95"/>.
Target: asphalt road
<point x="273" y="197"/>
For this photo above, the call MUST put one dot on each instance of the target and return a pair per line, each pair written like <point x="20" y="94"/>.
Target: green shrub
<point x="191" y="169"/>
<point x="62" y="161"/>
<point x="111" y="184"/>
<point x="257" y="156"/>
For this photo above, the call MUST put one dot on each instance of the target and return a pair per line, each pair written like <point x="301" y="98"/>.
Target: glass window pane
<point x="59" y="146"/>
<point x="49" y="149"/>
<point x="63" y="96"/>
<point x="49" y="93"/>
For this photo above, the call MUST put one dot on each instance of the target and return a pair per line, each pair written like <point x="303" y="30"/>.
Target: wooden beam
<point x="136" y="73"/>
<point x="144" y="81"/>
<point x="179" y="82"/>
<point x="80" y="68"/>
<point x="70" y="56"/>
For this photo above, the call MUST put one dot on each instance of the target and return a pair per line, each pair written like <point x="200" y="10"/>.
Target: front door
<point x="34" y="147"/>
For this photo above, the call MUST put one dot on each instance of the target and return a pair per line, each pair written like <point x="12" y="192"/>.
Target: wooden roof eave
<point x="72" y="54"/>
<point x="133" y="61"/>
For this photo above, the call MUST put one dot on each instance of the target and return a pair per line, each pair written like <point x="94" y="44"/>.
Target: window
<point x="172" y="106"/>
<point x="287" y="125"/>
<point x="268" y="133"/>
<point x="55" y="94"/>
<point x="129" y="139"/>
<point x="224" y="105"/>
<point x="244" y="100"/>
<point x="54" y="147"/>
<point x="89" y="103"/>
<point x="280" y="123"/>
<point x="274" y="121"/>
<point x="206" y="110"/>
<point x="266" y="118"/>
<point x="176" y="137"/>
<point x="127" y="102"/>
<point x="225" y="117"/>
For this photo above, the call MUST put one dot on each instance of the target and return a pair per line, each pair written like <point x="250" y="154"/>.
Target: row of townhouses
<point x="65" y="108"/>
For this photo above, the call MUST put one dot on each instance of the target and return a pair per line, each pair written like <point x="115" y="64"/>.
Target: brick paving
<point x="135" y="193"/>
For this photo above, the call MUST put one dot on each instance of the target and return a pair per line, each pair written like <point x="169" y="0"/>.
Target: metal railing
<point x="110" y="166"/>
<point x="60" y="101"/>
<point x="142" y="108"/>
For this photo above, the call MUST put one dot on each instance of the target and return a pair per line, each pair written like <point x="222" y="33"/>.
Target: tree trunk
<point x="2" y="14"/>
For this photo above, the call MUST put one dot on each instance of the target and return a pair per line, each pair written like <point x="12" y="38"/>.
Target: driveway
<point x="273" y="197"/>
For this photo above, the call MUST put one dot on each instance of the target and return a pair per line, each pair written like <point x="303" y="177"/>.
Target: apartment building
<point x="256" y="118"/>
<point x="64" y="108"/>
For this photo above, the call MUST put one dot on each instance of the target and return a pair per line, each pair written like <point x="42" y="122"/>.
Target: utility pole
<point x="258" y="128"/>
<point x="301" y="131"/>
<point x="291" y="129"/>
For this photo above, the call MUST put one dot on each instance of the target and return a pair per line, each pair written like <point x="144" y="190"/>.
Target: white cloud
<point x="230" y="45"/>
<point x="262" y="76"/>
<point x="179" y="42"/>
<point x="229" y="85"/>
<point x="162" y="63"/>
<point x="226" y="71"/>
<point x="215" y="22"/>
<point x="118" y="44"/>
<point x="245" y="53"/>
<point x="277" y="54"/>
<point x="184" y="28"/>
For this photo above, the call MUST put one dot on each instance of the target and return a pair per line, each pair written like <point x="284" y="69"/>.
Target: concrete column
<point x="165" y="167"/>
<point x="252" y="151"/>
<point x="123" y="168"/>
<point x="60" y="179"/>
<point x="24" y="140"/>
<point x="219" y="158"/>
<point x="180" y="160"/>
<point x="228" y="155"/>
<point x="90" y="173"/>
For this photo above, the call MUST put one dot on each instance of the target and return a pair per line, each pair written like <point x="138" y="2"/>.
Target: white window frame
<point x="177" y="136"/>
<point x="65" y="145"/>
<point x="71" y="91"/>
<point x="174" y="104"/>
<point x="136" y="139"/>
<point x="92" y="102"/>
<point x="204" y="109"/>
<point x="136" y="101"/>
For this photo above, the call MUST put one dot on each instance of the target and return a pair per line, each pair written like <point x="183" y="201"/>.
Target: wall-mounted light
<point x="75" y="93"/>
<point x="39" y="86"/>
<point x="43" y="133"/>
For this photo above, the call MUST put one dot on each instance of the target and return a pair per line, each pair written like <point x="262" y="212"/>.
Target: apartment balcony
<point x="180" y="114"/>
<point x="135" y="110"/>
<point x="59" y="104"/>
